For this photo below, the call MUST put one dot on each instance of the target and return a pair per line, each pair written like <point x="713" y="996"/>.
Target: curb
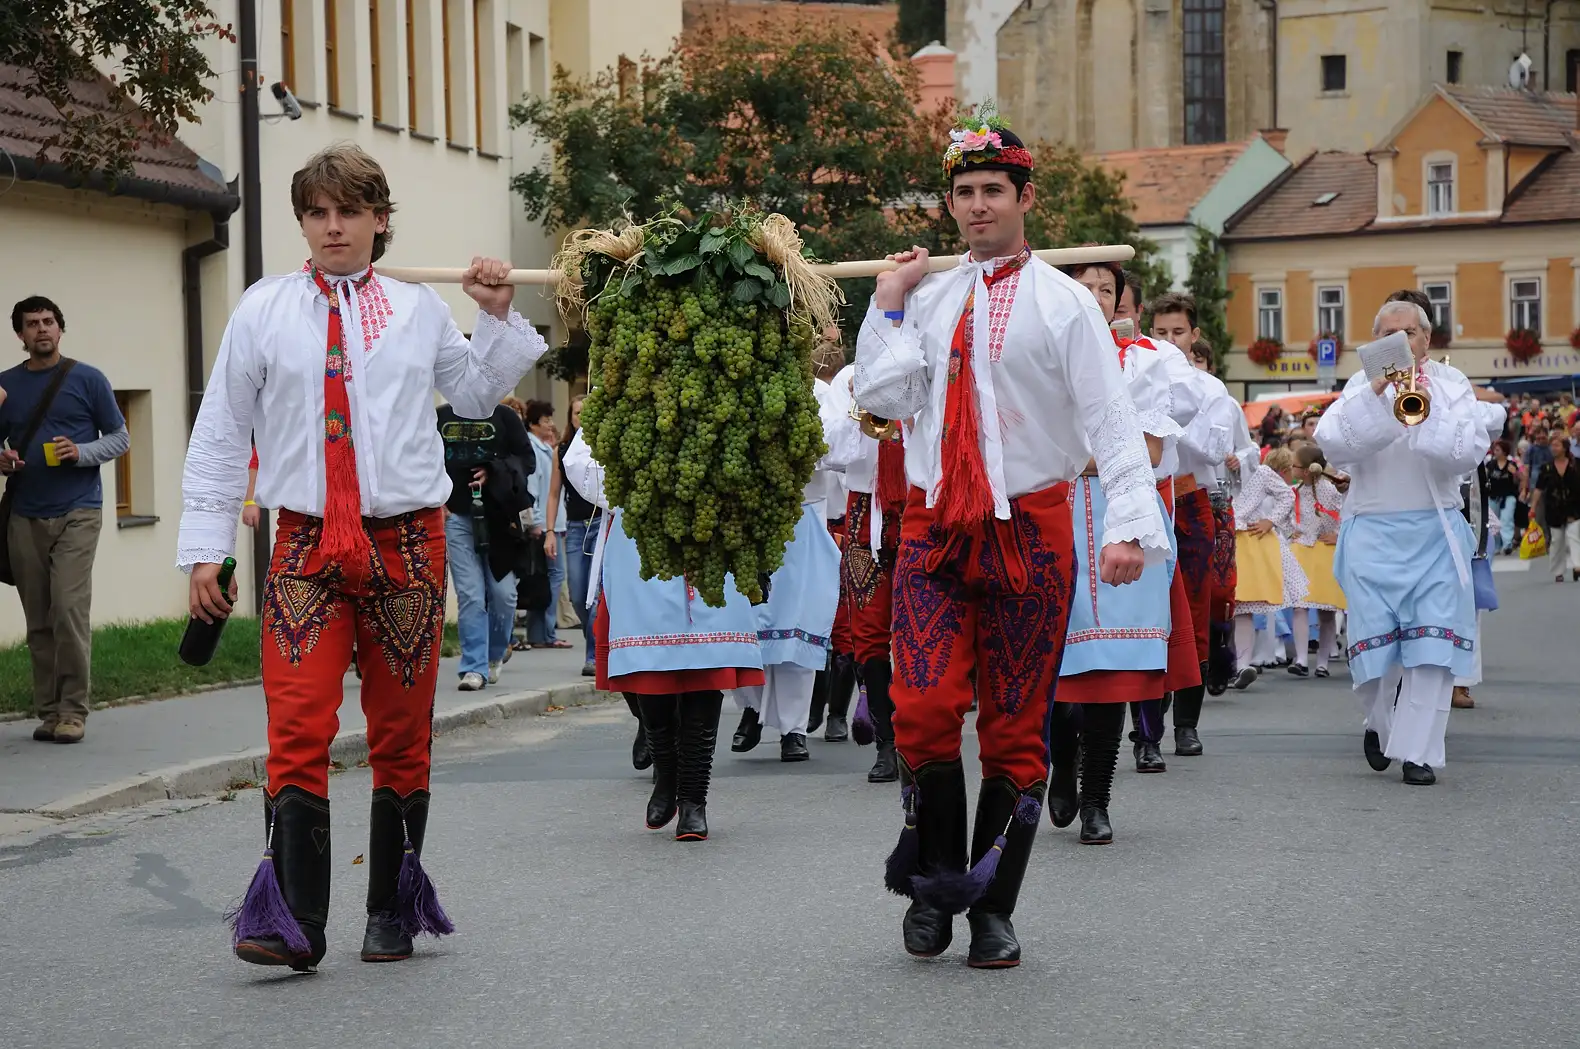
<point x="215" y="775"/>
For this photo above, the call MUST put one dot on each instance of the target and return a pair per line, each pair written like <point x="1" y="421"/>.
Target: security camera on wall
<point x="1520" y="72"/>
<point x="289" y="106"/>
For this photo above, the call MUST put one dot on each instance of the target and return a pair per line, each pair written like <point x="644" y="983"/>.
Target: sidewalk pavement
<point x="196" y="745"/>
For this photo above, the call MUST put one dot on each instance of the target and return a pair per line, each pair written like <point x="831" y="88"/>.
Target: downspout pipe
<point x="252" y="229"/>
<point x="192" y="301"/>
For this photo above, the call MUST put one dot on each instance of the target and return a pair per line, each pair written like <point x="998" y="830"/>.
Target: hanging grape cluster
<point x="703" y="415"/>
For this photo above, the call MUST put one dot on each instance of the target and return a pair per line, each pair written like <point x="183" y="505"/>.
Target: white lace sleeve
<point x="584" y="473"/>
<point x="214" y="479"/>
<point x="1359" y="424"/>
<point x="474" y="374"/>
<point x="1210" y="434"/>
<point x="891" y="367"/>
<point x="842" y="433"/>
<point x="1124" y="469"/>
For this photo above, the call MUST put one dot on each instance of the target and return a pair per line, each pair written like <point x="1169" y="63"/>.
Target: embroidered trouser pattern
<point x="1194" y="533"/>
<point x="1224" y="576"/>
<point x="392" y="610"/>
<point x="982" y="612"/>
<point x="867" y="582"/>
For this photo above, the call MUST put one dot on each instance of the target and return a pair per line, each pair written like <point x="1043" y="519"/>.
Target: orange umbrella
<point x="1293" y="404"/>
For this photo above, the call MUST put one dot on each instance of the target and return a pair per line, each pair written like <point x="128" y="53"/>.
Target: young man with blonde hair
<point x="331" y="369"/>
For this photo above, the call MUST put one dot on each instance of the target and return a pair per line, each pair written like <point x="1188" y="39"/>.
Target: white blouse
<point x="1394" y="467"/>
<point x="1265" y="496"/>
<point x="1210" y="436"/>
<point x="1045" y="369"/>
<point x="1312" y="523"/>
<point x="1165" y="394"/>
<point x="268" y="386"/>
<point x="849" y="449"/>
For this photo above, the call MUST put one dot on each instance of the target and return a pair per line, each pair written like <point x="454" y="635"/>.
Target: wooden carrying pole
<point x="867" y="268"/>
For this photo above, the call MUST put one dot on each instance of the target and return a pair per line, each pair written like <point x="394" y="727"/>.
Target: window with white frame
<point x="1330" y="311"/>
<point x="1440" y="188"/>
<point x="1441" y="295"/>
<point x="1525" y="304"/>
<point x="1270" y="314"/>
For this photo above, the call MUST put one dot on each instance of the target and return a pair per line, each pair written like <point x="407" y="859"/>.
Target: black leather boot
<point x="941" y="830"/>
<point x="1063" y="790"/>
<point x="662" y="717"/>
<point x="1220" y="659"/>
<point x="699" y="735"/>
<point x="877" y="674"/>
<point x="300" y="842"/>
<point x="748" y="733"/>
<point x="993" y="942"/>
<point x="814" y="719"/>
<point x="1102" y="726"/>
<point x="1187" y="715"/>
<point x="841" y="686"/>
<point x="641" y="752"/>
<point x="1149" y="757"/>
<point x="393" y="820"/>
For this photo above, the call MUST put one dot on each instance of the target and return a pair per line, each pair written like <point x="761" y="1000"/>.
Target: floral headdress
<point x="983" y="141"/>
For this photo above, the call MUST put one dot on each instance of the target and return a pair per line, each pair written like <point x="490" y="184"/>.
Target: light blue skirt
<point x="1407" y="606"/>
<point x="796" y="622"/>
<point x="657" y="625"/>
<point x="1113" y="627"/>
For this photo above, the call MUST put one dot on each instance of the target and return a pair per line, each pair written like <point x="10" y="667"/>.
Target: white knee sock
<point x="1327" y="634"/>
<point x="1244" y="640"/>
<point x="1300" y="626"/>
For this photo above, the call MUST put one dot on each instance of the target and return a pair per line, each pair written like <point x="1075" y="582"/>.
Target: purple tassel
<point x="263" y="914"/>
<point x="1028" y="808"/>
<point x="956" y="891"/>
<point x="417" y="901"/>
<point x="861" y="729"/>
<point x="905" y="860"/>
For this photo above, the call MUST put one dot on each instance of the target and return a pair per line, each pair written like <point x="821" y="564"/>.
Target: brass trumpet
<point x="874" y="427"/>
<point x="1411" y="404"/>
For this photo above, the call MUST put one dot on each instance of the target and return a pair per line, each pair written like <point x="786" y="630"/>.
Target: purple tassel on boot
<point x="417" y="901"/>
<point x="263" y="914"/>
<point x="861" y="727"/>
<point x="900" y="868"/>
<point x="954" y="891"/>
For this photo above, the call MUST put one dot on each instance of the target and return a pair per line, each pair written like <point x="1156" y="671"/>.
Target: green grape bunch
<point x="702" y="410"/>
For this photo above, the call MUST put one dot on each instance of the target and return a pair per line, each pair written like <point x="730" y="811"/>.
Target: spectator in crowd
<point x="1503" y="492"/>
<point x="1537" y="455"/>
<point x="1272" y="426"/>
<point x="548" y="521"/>
<point x="489" y="462"/>
<point x="1558" y="493"/>
<point x="582" y="521"/>
<point x="60" y="423"/>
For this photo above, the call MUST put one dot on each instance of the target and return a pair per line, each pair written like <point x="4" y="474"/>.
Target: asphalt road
<point x="1274" y="892"/>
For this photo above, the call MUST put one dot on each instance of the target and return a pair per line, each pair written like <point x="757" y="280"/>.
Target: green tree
<point x="1207" y="286"/>
<point x="920" y="23"/>
<point x="159" y="73"/>
<point x="804" y="119"/>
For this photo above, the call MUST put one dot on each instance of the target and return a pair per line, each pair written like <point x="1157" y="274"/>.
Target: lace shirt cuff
<point x="208" y="532"/>
<point x="505" y="350"/>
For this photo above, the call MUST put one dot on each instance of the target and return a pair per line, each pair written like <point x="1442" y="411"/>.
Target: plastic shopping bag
<point x="1534" y="544"/>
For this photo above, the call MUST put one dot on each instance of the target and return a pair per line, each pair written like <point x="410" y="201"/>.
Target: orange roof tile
<point x="29" y="121"/>
<point x="1520" y="118"/>
<point x="873" y="19"/>
<point x="1290" y="208"/>
<point x="1553" y="195"/>
<point x="1165" y="183"/>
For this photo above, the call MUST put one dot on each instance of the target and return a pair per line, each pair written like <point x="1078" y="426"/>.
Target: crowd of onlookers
<point x="1529" y="474"/>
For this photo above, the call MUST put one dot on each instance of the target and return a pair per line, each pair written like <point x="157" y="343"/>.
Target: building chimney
<point x="1275" y="137"/>
<point x="935" y="69"/>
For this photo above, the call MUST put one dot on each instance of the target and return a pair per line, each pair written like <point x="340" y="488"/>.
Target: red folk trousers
<point x="994" y="602"/>
<point x="867" y="583"/>
<point x="392" y="608"/>
<point x="1194" y="534"/>
<point x="840" y="638"/>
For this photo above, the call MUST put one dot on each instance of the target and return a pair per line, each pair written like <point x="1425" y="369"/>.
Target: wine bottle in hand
<point x="201" y="639"/>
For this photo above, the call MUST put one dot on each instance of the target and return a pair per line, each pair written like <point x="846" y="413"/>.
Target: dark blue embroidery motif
<point x="794" y="634"/>
<point x="298" y="607"/>
<point x="1022" y="627"/>
<point x="406" y="616"/>
<point x="1415" y="633"/>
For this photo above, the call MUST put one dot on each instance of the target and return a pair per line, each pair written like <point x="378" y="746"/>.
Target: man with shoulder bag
<point x="60" y="423"/>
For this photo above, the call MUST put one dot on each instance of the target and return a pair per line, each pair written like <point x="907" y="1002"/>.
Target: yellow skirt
<point x="1317" y="562"/>
<point x="1259" y="568"/>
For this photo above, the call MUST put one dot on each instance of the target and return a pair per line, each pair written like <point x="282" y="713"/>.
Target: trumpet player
<point x="1404" y="549"/>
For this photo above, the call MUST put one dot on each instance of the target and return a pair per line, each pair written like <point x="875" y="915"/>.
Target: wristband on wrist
<point x="249" y="502"/>
<point x="894" y="315"/>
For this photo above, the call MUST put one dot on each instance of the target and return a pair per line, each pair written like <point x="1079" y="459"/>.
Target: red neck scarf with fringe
<point x="965" y="495"/>
<point x="344" y="539"/>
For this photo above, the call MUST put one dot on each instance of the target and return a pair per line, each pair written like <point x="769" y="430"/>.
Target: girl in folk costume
<point x="1316" y="531"/>
<point x="795" y="623"/>
<point x="875" y="473"/>
<point x="665" y="649"/>
<point x="1269" y="577"/>
<point x="1121" y="641"/>
<point x="309" y="361"/>
<point x="1007" y="373"/>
